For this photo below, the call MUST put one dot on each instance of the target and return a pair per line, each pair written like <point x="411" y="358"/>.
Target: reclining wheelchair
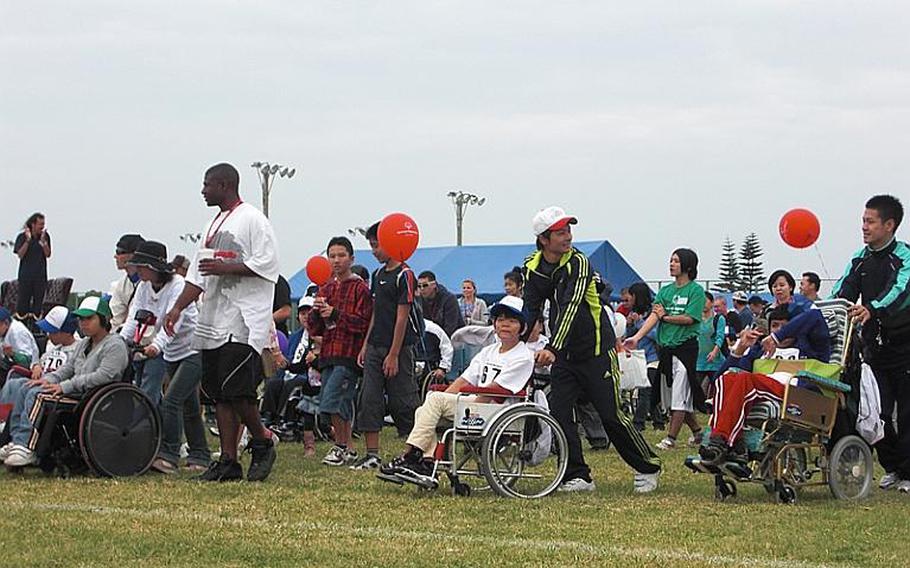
<point x="112" y="430"/>
<point x="515" y="450"/>
<point x="796" y="444"/>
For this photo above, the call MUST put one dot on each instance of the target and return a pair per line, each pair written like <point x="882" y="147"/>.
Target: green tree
<point x="751" y="271"/>
<point x="728" y="272"/>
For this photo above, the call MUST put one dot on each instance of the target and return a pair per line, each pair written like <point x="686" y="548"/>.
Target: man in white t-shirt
<point x="237" y="268"/>
<point x="16" y="341"/>
<point x="505" y="366"/>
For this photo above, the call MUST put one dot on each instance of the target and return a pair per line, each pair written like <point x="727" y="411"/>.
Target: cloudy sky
<point x="659" y="124"/>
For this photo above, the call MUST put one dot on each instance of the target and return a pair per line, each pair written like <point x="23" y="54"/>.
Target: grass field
<point x="309" y="514"/>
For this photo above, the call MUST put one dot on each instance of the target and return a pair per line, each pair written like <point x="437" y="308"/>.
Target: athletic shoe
<point x="222" y="470"/>
<point x="714" y="452"/>
<point x="369" y="461"/>
<point x="263" y="459"/>
<point x="646" y="482"/>
<point x="350" y="457"/>
<point x="577" y="485"/>
<point x="5" y="450"/>
<point x="419" y="473"/>
<point x="20" y="456"/>
<point x="335" y="457"/>
<point x="903" y="486"/>
<point x="163" y="466"/>
<point x="888" y="481"/>
<point x="666" y="444"/>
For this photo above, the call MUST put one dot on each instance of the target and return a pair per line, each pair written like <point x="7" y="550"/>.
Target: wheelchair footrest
<point x="733" y="469"/>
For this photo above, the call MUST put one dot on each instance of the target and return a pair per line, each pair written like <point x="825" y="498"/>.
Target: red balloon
<point x="318" y="270"/>
<point x="398" y="236"/>
<point x="799" y="228"/>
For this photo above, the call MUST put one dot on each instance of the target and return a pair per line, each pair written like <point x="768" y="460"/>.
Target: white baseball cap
<point x="551" y="218"/>
<point x="306" y="302"/>
<point x="511" y="305"/>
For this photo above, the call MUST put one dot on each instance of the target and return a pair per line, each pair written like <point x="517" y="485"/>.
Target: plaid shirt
<point x="353" y="307"/>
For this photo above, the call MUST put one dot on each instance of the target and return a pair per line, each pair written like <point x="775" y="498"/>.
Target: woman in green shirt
<point x="678" y="312"/>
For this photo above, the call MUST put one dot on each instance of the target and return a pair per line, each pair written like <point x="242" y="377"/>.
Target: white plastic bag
<point x="869" y="421"/>
<point x="634" y="368"/>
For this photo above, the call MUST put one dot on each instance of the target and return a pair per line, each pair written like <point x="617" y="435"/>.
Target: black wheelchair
<point x="112" y="430"/>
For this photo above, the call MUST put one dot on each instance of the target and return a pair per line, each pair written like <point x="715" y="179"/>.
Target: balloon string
<point x="822" y="261"/>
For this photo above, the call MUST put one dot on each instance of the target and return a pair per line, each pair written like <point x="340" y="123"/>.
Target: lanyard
<point x="209" y="235"/>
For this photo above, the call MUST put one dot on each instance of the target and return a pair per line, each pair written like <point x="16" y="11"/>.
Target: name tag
<point x="682" y="300"/>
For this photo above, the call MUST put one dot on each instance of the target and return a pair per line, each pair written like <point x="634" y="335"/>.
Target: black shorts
<point x="231" y="372"/>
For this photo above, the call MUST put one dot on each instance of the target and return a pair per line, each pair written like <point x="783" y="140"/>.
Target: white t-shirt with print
<point x="510" y="370"/>
<point x="237" y="308"/>
<point x="55" y="356"/>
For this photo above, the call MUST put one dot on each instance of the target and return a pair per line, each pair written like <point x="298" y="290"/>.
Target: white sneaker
<point x="903" y="486"/>
<point x="666" y="444"/>
<point x="20" y="456"/>
<point x="4" y="451"/>
<point x="646" y="482"/>
<point x="577" y="485"/>
<point x="888" y="481"/>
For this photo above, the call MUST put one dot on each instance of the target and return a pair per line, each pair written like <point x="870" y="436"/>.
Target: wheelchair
<point x="516" y="450"/>
<point x="796" y="444"/>
<point x="113" y="430"/>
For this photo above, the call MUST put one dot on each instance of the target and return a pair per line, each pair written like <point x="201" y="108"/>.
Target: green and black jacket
<point x="579" y="326"/>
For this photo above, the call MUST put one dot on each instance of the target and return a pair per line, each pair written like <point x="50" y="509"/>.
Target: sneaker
<point x="222" y="470"/>
<point x="369" y="461"/>
<point x="389" y="470"/>
<point x="163" y="466"/>
<point x="888" y="481"/>
<point x="350" y="457"/>
<point x="714" y="452"/>
<point x="694" y="440"/>
<point x="20" y="456"/>
<point x="666" y="444"/>
<point x="420" y="473"/>
<point x="903" y="486"/>
<point x="577" y="485"/>
<point x="5" y="451"/>
<point x="263" y="459"/>
<point x="646" y="482"/>
<point x="335" y="457"/>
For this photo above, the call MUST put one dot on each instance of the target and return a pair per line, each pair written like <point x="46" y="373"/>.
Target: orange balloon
<point x="318" y="270"/>
<point x="398" y="236"/>
<point x="799" y="228"/>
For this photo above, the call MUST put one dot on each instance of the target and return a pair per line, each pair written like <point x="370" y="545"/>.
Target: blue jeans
<point x="20" y="426"/>
<point x="339" y="387"/>
<point x="11" y="390"/>
<point x="152" y="377"/>
<point x="180" y="412"/>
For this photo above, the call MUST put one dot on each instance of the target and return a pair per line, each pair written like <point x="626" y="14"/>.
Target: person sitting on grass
<point x="505" y="366"/>
<point x="805" y="337"/>
<point x="100" y="358"/>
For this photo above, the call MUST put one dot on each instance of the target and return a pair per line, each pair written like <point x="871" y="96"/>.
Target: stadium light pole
<point x="461" y="200"/>
<point x="267" y="173"/>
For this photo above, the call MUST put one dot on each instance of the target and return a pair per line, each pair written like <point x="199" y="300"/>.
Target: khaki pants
<point x="437" y="406"/>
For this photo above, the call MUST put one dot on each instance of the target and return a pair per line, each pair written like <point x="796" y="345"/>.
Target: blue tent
<point x="486" y="265"/>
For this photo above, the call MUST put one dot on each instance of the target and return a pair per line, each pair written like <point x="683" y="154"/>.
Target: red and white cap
<point x="552" y="218"/>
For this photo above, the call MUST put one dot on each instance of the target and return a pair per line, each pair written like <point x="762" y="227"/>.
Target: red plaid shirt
<point x="353" y="307"/>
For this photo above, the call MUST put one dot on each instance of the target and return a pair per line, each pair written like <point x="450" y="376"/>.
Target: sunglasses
<point x="427" y="285"/>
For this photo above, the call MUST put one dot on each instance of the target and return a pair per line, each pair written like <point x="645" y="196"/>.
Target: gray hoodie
<point x="105" y="363"/>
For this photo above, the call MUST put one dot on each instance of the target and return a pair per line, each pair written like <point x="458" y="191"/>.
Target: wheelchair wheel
<point x="120" y="431"/>
<point x="850" y="469"/>
<point x="520" y="462"/>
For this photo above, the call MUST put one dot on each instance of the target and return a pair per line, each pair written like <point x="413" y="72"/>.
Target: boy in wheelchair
<point x="805" y="337"/>
<point x="100" y="358"/>
<point x="504" y="366"/>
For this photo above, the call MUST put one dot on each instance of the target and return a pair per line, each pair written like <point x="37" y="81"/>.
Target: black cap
<point x="757" y="300"/>
<point x="153" y="255"/>
<point x="129" y="243"/>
